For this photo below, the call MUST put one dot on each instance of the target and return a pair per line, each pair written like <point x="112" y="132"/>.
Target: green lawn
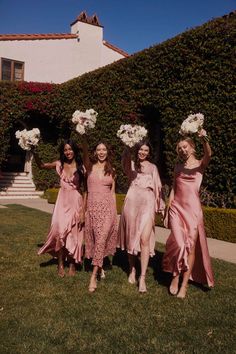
<point x="41" y="313"/>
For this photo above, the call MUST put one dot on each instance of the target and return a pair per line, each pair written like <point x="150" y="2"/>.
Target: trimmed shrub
<point x="220" y="223"/>
<point x="51" y="196"/>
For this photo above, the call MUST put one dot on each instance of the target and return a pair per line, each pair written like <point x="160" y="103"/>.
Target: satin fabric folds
<point x="64" y="231"/>
<point x="142" y="201"/>
<point x="187" y="227"/>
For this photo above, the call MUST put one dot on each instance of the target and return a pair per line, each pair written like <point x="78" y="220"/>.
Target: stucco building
<point x="50" y="58"/>
<point x="57" y="57"/>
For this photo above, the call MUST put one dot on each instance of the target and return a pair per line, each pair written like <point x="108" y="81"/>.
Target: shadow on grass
<point x="120" y="259"/>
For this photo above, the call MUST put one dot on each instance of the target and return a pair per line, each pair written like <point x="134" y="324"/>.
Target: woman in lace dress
<point x="186" y="248"/>
<point x="143" y="200"/>
<point x="101" y="214"/>
<point x="65" y="237"/>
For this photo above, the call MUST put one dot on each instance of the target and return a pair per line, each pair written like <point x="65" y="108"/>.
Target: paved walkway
<point x="217" y="248"/>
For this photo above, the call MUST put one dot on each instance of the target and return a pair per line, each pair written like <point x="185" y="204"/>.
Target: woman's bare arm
<point x="42" y="165"/>
<point x="206" y="147"/>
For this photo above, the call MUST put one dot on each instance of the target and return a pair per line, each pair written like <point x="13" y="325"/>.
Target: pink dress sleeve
<point x="160" y="203"/>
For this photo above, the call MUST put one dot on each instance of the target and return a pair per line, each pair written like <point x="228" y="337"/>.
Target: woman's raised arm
<point x="206" y="147"/>
<point x="42" y="165"/>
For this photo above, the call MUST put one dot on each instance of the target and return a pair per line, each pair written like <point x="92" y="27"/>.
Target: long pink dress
<point x="64" y="231"/>
<point x="186" y="223"/>
<point x="100" y="219"/>
<point x="143" y="199"/>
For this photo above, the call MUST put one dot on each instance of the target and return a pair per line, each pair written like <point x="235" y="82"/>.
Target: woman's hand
<point x="202" y="133"/>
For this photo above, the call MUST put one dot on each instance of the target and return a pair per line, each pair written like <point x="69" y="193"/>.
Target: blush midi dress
<point x="100" y="219"/>
<point x="143" y="200"/>
<point x="187" y="228"/>
<point x="65" y="231"/>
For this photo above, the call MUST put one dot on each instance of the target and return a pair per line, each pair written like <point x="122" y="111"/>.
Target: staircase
<point x="17" y="185"/>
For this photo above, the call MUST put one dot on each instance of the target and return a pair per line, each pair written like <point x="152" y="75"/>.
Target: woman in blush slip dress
<point x="66" y="234"/>
<point x="101" y="214"/>
<point x="143" y="200"/>
<point x="186" y="248"/>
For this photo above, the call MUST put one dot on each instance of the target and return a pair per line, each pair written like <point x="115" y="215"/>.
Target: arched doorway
<point x="15" y="157"/>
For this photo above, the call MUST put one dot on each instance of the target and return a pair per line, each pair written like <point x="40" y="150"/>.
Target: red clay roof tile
<point x="25" y="37"/>
<point x="116" y="49"/>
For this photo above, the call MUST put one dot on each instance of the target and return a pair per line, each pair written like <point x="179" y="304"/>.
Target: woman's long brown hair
<point x="108" y="169"/>
<point x="137" y="164"/>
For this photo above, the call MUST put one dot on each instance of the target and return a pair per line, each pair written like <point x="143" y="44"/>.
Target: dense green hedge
<point x="219" y="223"/>
<point x="158" y="87"/>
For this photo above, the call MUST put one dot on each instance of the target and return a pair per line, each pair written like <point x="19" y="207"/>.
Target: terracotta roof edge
<point x="35" y="36"/>
<point x="116" y="49"/>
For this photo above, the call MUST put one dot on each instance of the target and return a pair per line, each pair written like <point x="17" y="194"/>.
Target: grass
<point x="41" y="313"/>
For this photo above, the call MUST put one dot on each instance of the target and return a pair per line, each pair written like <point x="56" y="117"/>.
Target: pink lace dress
<point x="64" y="231"/>
<point x="142" y="201"/>
<point x="187" y="227"/>
<point x="100" y="219"/>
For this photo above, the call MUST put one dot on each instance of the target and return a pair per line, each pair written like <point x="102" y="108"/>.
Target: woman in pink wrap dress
<point x="143" y="200"/>
<point x="66" y="234"/>
<point x="186" y="248"/>
<point x="101" y="214"/>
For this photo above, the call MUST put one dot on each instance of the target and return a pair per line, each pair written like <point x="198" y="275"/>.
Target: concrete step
<point x="13" y="174"/>
<point x="20" y="192"/>
<point x="13" y="197"/>
<point x="14" y="178"/>
<point x="17" y="189"/>
<point x="18" y="184"/>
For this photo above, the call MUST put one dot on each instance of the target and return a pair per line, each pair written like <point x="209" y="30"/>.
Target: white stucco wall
<point x="59" y="60"/>
<point x="45" y="60"/>
<point x="109" y="56"/>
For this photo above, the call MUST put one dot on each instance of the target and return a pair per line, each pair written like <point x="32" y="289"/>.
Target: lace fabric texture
<point x="100" y="219"/>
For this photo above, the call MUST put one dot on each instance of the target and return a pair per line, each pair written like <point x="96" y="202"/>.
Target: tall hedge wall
<point x="158" y="87"/>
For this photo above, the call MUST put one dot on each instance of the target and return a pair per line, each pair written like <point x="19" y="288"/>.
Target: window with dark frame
<point x="12" y="70"/>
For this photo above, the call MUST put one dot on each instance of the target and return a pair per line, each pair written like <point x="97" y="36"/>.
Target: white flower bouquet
<point x="192" y="124"/>
<point x="84" y="120"/>
<point x="131" y="134"/>
<point x="28" y="138"/>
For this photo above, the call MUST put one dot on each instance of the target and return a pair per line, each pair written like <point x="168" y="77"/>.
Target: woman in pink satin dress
<point x="101" y="214"/>
<point x="143" y="200"/>
<point x="186" y="248"/>
<point x="66" y="234"/>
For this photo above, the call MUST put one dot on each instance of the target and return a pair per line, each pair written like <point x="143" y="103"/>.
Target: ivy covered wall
<point x="157" y="87"/>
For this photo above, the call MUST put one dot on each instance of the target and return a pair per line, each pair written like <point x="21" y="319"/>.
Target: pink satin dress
<point x="64" y="231"/>
<point x="142" y="201"/>
<point x="187" y="228"/>
<point x="100" y="219"/>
